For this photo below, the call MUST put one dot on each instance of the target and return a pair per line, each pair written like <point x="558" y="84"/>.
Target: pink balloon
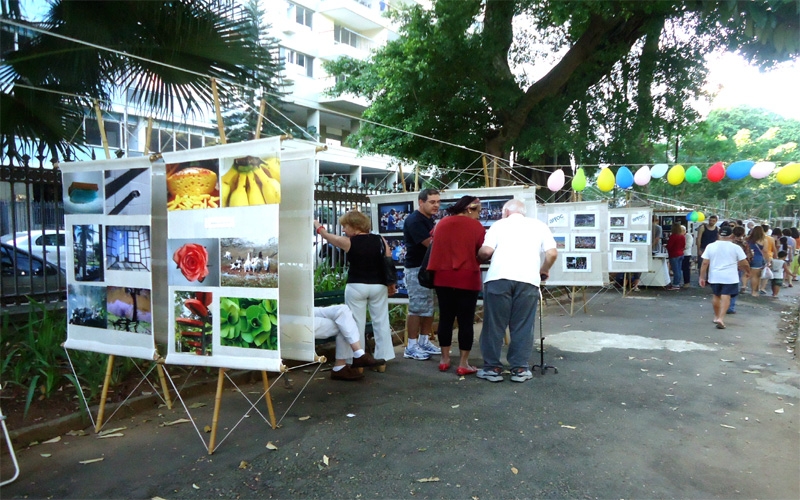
<point x="556" y="180"/>
<point x="642" y="176"/>
<point x="762" y="169"/>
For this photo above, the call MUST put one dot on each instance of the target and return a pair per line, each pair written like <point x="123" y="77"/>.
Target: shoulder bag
<point x="389" y="271"/>
<point x="425" y="276"/>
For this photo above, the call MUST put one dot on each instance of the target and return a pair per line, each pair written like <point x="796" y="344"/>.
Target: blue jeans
<point x="511" y="304"/>
<point x="676" y="264"/>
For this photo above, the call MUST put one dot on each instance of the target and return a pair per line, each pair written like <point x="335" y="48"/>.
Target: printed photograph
<point x="128" y="248"/>
<point x="398" y="246"/>
<point x="585" y="242"/>
<point x="128" y="192"/>
<point x="577" y="263"/>
<point x="250" y="262"/>
<point x="129" y="310"/>
<point x="625" y="255"/>
<point x="83" y="192"/>
<point x="402" y="291"/>
<point x="193" y="325"/>
<point x="637" y="237"/>
<point x="250" y="180"/>
<point x="584" y="220"/>
<point x="492" y="210"/>
<point x="87" y="250"/>
<point x="391" y="216"/>
<point x="86" y="305"/>
<point x="562" y="242"/>
<point x="193" y="262"/>
<point x="193" y="185"/>
<point x="618" y="221"/>
<point x="248" y="323"/>
<point x="616" y="237"/>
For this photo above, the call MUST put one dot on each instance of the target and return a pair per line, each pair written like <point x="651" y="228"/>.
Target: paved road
<point x="650" y="401"/>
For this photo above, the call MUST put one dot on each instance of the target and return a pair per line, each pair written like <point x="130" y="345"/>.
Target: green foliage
<point x="327" y="278"/>
<point x="251" y="323"/>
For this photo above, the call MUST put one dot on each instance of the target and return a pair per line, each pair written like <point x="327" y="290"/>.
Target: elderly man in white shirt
<point x="511" y="289"/>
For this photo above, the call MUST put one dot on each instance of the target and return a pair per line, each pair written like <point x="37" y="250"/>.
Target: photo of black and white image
<point x="616" y="237"/>
<point x="587" y="242"/>
<point x="391" y="216"/>
<point x="639" y="237"/>
<point x="573" y="263"/>
<point x="624" y="255"/>
<point x="128" y="248"/>
<point x="618" y="221"/>
<point x="398" y="246"/>
<point x="87" y="248"/>
<point x="128" y="191"/>
<point x="584" y="220"/>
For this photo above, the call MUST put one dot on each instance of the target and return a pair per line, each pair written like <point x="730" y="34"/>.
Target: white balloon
<point x="762" y="169"/>
<point x="556" y="180"/>
<point x="658" y="170"/>
<point x="642" y="176"/>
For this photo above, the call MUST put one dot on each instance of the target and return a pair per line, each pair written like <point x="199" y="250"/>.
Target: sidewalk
<point x="650" y="401"/>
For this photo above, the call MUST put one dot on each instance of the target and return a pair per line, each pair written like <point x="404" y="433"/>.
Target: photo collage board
<point x="629" y="240"/>
<point x="389" y="212"/>
<point x="222" y="251"/>
<point x="579" y="229"/>
<point x="109" y="236"/>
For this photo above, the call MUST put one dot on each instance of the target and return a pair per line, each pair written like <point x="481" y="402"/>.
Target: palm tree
<point x="153" y="43"/>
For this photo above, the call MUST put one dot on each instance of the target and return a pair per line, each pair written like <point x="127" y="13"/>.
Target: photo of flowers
<point x="618" y="221"/>
<point x="250" y="262"/>
<point x="193" y="262"/>
<point x="128" y="191"/>
<point x="193" y="326"/>
<point x="248" y="323"/>
<point x="87" y="251"/>
<point x="129" y="310"/>
<point x="586" y="242"/>
<point x="584" y="220"/>
<point x="86" y="305"/>
<point x="128" y="248"/>
<point x="574" y="263"/>
<point x="193" y="185"/>
<point x="624" y="255"/>
<point x="562" y="242"/>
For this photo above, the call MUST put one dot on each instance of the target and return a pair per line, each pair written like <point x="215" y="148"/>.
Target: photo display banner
<point x="389" y="212"/>
<point x="581" y="233"/>
<point x="629" y="240"/>
<point x="222" y="255"/>
<point x="109" y="235"/>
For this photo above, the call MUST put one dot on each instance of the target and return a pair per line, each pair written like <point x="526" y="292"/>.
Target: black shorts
<point x="725" y="289"/>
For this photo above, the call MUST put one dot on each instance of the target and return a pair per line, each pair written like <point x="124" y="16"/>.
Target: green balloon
<point x="579" y="181"/>
<point x="693" y="175"/>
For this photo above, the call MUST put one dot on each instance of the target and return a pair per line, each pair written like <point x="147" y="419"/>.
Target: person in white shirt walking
<point x="722" y="260"/>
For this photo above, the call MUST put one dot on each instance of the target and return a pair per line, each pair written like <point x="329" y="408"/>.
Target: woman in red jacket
<point x="675" y="245"/>
<point x="457" y="278"/>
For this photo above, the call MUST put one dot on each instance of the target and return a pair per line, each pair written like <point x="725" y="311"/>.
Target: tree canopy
<point x="621" y="75"/>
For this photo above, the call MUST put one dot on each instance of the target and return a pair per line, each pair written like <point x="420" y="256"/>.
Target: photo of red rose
<point x="196" y="262"/>
<point x="192" y="260"/>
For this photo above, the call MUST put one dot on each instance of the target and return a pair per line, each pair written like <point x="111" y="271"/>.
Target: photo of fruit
<point x="193" y="330"/>
<point x="248" y="323"/>
<point x="193" y="185"/>
<point x="250" y="181"/>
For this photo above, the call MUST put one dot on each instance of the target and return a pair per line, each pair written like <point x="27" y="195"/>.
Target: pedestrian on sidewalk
<point x="515" y="244"/>
<point x="721" y="263"/>
<point x="686" y="263"/>
<point x="738" y="239"/>
<point x="675" y="246"/>
<point x="706" y="235"/>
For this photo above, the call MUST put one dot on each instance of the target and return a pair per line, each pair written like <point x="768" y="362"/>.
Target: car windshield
<point x="25" y="265"/>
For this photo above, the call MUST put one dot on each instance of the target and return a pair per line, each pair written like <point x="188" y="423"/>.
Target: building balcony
<point x="362" y="15"/>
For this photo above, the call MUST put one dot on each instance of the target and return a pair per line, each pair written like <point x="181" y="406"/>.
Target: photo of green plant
<point x="249" y="323"/>
<point x="193" y="330"/>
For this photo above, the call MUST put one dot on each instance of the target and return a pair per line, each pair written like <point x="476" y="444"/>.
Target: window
<point x="344" y="35"/>
<point x="302" y="60"/>
<point x="302" y="15"/>
<point x="112" y="130"/>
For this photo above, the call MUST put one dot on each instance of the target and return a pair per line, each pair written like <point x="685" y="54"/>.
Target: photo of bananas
<point x="251" y="181"/>
<point x="192" y="185"/>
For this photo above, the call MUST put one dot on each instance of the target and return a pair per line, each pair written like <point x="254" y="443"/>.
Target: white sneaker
<point x="415" y="352"/>
<point x="429" y="347"/>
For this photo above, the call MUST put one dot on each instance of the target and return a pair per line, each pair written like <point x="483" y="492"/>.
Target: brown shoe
<point x="347" y="373"/>
<point x="367" y="361"/>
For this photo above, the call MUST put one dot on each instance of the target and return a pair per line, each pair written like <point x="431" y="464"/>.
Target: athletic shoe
<point x="520" y="374"/>
<point x="491" y="374"/>
<point x="429" y="347"/>
<point x="762" y="292"/>
<point x="415" y="352"/>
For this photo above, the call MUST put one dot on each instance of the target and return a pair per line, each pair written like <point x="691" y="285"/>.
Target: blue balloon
<point x="739" y="169"/>
<point x="659" y="170"/>
<point x="624" y="177"/>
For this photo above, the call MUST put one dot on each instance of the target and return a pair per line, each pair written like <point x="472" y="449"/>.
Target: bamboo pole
<point x="402" y="177"/>
<point x="494" y="172"/>
<point x="218" y="109"/>
<point x="215" y="419"/>
<point x="147" y="133"/>
<point x="261" y="110"/>
<point x="268" y="397"/>
<point x="102" y="127"/>
<point x="164" y="388"/>
<point x="102" y="410"/>
<point x="485" y="171"/>
<point x="416" y="178"/>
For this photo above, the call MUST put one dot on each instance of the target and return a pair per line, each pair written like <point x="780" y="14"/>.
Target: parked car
<point x="49" y="244"/>
<point x="25" y="274"/>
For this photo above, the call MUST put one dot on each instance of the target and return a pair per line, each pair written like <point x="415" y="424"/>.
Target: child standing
<point x="780" y="268"/>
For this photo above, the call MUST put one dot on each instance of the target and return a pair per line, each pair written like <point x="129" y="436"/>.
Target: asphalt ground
<point x="650" y="401"/>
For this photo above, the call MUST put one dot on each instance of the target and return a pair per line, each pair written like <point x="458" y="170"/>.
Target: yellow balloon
<point x="676" y="175"/>
<point x="701" y="216"/>
<point x="789" y="174"/>
<point x="606" y="180"/>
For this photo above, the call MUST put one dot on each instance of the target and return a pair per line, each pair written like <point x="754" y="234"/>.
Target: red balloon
<point x="716" y="173"/>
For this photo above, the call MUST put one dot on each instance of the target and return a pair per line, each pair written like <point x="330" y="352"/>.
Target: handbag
<point x="425" y="275"/>
<point x="389" y="271"/>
